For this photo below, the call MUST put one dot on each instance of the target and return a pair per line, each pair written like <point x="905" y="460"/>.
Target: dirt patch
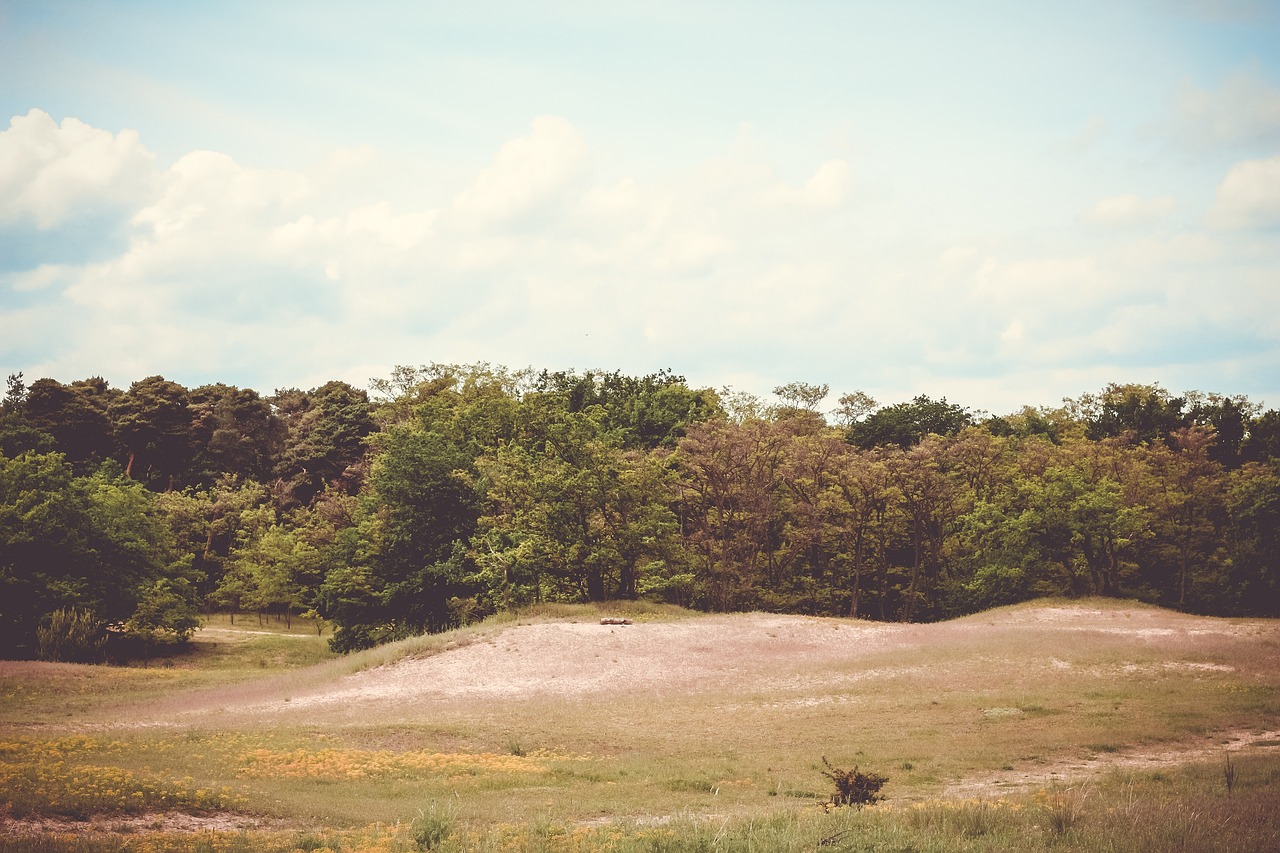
<point x="1072" y="771"/>
<point x="230" y="634"/>
<point x="132" y="824"/>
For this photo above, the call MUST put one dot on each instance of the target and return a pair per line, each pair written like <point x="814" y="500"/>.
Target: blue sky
<point x="999" y="203"/>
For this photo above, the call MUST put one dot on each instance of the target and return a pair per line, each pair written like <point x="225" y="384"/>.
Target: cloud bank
<point x="726" y="270"/>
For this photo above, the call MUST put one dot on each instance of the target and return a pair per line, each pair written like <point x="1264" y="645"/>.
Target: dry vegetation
<point x="1030" y="727"/>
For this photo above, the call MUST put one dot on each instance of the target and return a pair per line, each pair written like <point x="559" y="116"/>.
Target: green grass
<point x="701" y="770"/>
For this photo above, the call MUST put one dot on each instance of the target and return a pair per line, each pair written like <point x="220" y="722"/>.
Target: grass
<point x="220" y="654"/>
<point x="1185" y="810"/>
<point x="980" y="698"/>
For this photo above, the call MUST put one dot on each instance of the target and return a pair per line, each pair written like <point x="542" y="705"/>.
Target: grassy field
<point x="1093" y="725"/>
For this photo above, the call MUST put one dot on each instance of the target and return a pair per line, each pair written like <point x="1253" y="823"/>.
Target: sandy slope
<point x="788" y="657"/>
<point x="568" y="659"/>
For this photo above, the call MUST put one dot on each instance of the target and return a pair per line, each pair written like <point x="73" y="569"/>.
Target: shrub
<point x="71" y="635"/>
<point x="854" y="788"/>
<point x="431" y="827"/>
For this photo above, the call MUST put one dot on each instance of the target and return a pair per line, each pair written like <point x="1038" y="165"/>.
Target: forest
<point x="445" y="493"/>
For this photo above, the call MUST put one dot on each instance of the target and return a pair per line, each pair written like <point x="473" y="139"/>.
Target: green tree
<point x="864" y="519"/>
<point x="165" y="614"/>
<point x="326" y="444"/>
<point x="645" y="412"/>
<point x="1252" y="576"/>
<point x="235" y="433"/>
<point x="1262" y="442"/>
<point x="1187" y="515"/>
<point x="76" y="417"/>
<point x="153" y="422"/>
<point x="906" y="424"/>
<point x="801" y="396"/>
<point x="46" y="559"/>
<point x="929" y="503"/>
<point x="423" y="488"/>
<point x="1145" y="413"/>
<point x="572" y="513"/>
<point x="93" y="543"/>
<point x="276" y="572"/>
<point x="728" y="479"/>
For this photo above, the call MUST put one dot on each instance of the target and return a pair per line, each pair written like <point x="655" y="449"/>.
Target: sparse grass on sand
<point x="1091" y="725"/>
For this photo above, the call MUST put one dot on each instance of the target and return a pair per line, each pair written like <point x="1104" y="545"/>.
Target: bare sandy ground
<point x="730" y="655"/>
<point x="723" y="654"/>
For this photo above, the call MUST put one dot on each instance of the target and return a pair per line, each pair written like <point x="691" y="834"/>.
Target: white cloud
<point x="398" y="230"/>
<point x="1249" y="196"/>
<point x="204" y="187"/>
<point x="45" y="275"/>
<point x="718" y="270"/>
<point x="1244" y="110"/>
<point x="957" y="260"/>
<point x="690" y="252"/>
<point x="1130" y="209"/>
<point x="828" y="188"/>
<point x="1014" y="333"/>
<point x="1088" y="138"/>
<point x="529" y="173"/>
<point x="53" y="173"/>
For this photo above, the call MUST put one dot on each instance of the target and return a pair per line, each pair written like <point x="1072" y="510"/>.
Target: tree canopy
<point x="459" y="490"/>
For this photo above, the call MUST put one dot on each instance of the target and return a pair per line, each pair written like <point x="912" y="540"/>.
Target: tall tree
<point x="729" y="477"/>
<point x="327" y="428"/>
<point x="1252" y="585"/>
<point x="571" y="512"/>
<point x="929" y="503"/>
<point x="153" y="422"/>
<point x="76" y="415"/>
<point x="92" y="543"/>
<point x="906" y="424"/>
<point x="1145" y="413"/>
<point x="235" y="433"/>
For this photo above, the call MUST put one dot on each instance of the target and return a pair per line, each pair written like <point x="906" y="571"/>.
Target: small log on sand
<point x="613" y="620"/>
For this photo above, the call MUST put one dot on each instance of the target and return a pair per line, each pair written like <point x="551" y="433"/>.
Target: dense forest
<point x="447" y="492"/>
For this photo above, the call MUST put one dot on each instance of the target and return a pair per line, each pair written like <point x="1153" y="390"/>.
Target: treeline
<point x="459" y="490"/>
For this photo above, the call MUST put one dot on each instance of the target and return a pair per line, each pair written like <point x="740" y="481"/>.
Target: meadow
<point x="1058" y="725"/>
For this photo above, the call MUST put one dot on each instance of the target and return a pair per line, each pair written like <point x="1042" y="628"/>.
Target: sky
<point x="999" y="203"/>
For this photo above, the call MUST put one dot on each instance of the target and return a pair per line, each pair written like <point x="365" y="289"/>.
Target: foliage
<point x="153" y="424"/>
<point x="461" y="490"/>
<point x="94" y="543"/>
<point x="853" y="787"/>
<point x="905" y="424"/>
<point x="325" y="444"/>
<point x="41" y="778"/>
<point x="431" y="827"/>
<point x="71" y="635"/>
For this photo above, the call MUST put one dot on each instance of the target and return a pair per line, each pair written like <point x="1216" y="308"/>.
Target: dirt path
<point x="1073" y="772"/>
<point x="137" y="824"/>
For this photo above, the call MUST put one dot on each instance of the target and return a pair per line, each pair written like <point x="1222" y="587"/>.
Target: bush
<point x="854" y="788"/>
<point x="71" y="635"/>
<point x="431" y="827"/>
